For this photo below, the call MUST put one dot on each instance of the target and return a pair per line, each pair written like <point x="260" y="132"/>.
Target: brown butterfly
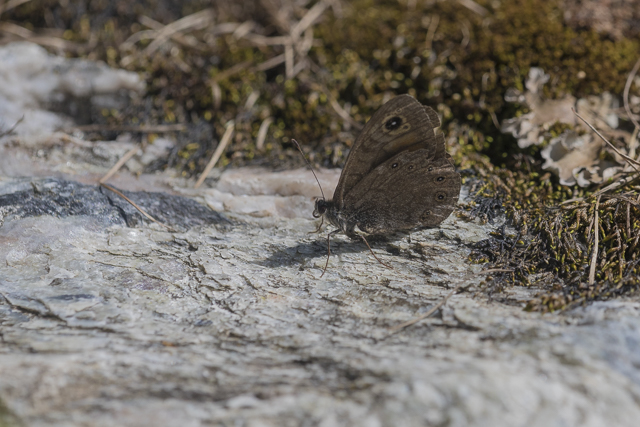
<point x="398" y="175"/>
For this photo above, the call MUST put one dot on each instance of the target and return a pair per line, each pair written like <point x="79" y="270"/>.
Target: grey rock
<point x="61" y="198"/>
<point x="108" y="324"/>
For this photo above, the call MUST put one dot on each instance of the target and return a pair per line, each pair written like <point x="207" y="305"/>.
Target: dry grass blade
<point x="431" y="31"/>
<point x="11" y="4"/>
<point x="182" y="39"/>
<point x="288" y="61"/>
<point x="594" y="256"/>
<point x="119" y="193"/>
<point x="197" y="20"/>
<point x="228" y="133"/>
<point x="428" y="313"/>
<point x="232" y="70"/>
<point x="12" y="128"/>
<point x="194" y="21"/>
<point x="28" y="35"/>
<point x="631" y="161"/>
<point x="308" y="19"/>
<point x="443" y="301"/>
<point x="260" y="40"/>
<point x="611" y="187"/>
<point x="343" y="113"/>
<point x="271" y="63"/>
<point x="262" y="133"/>
<point x="139" y="129"/>
<point x="124" y="159"/>
<point x="475" y="7"/>
<point x="625" y="95"/>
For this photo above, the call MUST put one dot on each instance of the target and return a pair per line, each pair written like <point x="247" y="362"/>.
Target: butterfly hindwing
<point x="409" y="190"/>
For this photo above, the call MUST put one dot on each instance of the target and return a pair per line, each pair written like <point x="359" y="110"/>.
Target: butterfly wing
<point x="409" y="190"/>
<point x="402" y="124"/>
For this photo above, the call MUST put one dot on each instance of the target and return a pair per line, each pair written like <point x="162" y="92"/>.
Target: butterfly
<point x="398" y="175"/>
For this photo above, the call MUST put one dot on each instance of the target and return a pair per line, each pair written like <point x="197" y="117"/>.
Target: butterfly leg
<point x="329" y="250"/>
<point x="372" y="253"/>
<point x="319" y="227"/>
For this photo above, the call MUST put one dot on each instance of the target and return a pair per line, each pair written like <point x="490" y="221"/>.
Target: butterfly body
<point x="398" y="175"/>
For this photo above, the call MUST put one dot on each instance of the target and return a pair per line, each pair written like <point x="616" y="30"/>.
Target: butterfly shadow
<point x="302" y="253"/>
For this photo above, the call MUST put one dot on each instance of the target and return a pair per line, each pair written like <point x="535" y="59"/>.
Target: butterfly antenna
<point x="310" y="167"/>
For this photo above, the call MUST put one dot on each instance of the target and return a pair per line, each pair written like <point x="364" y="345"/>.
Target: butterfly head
<point x="321" y="208"/>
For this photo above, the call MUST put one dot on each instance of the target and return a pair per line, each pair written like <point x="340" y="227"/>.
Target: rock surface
<point x="108" y="319"/>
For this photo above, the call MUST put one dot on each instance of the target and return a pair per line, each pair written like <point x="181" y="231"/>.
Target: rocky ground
<point x="224" y="318"/>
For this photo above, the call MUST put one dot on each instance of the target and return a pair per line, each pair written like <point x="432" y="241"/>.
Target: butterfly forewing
<point x="400" y="125"/>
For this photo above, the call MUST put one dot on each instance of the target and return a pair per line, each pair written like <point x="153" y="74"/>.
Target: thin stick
<point x="197" y="20"/>
<point x="611" y="187"/>
<point x="288" y="61"/>
<point x="262" y="133"/>
<point x="627" y="158"/>
<point x="343" y="113"/>
<point x="271" y="63"/>
<point x="124" y="159"/>
<point x="431" y="31"/>
<point x="471" y="5"/>
<point x="119" y="193"/>
<point x="444" y="300"/>
<point x="428" y="313"/>
<point x="308" y="19"/>
<point x="140" y="129"/>
<point x="11" y="4"/>
<point x="372" y="253"/>
<point x="218" y="153"/>
<point x="594" y="257"/>
<point x="12" y="128"/>
<point x="625" y="95"/>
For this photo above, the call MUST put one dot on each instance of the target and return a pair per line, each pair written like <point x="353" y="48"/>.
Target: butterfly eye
<point x="395" y="165"/>
<point x="440" y="179"/>
<point x="393" y="123"/>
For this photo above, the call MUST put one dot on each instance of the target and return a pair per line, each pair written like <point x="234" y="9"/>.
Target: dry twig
<point x="194" y="21"/>
<point x="594" y="256"/>
<point x="428" y="313"/>
<point x="228" y="133"/>
<point x="625" y="95"/>
<point x="471" y="5"/>
<point x="12" y="128"/>
<point x="11" y="4"/>
<point x="139" y="129"/>
<point x="631" y="161"/>
<point x="119" y="193"/>
<point x="124" y="159"/>
<point x="262" y="133"/>
<point x="28" y="35"/>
